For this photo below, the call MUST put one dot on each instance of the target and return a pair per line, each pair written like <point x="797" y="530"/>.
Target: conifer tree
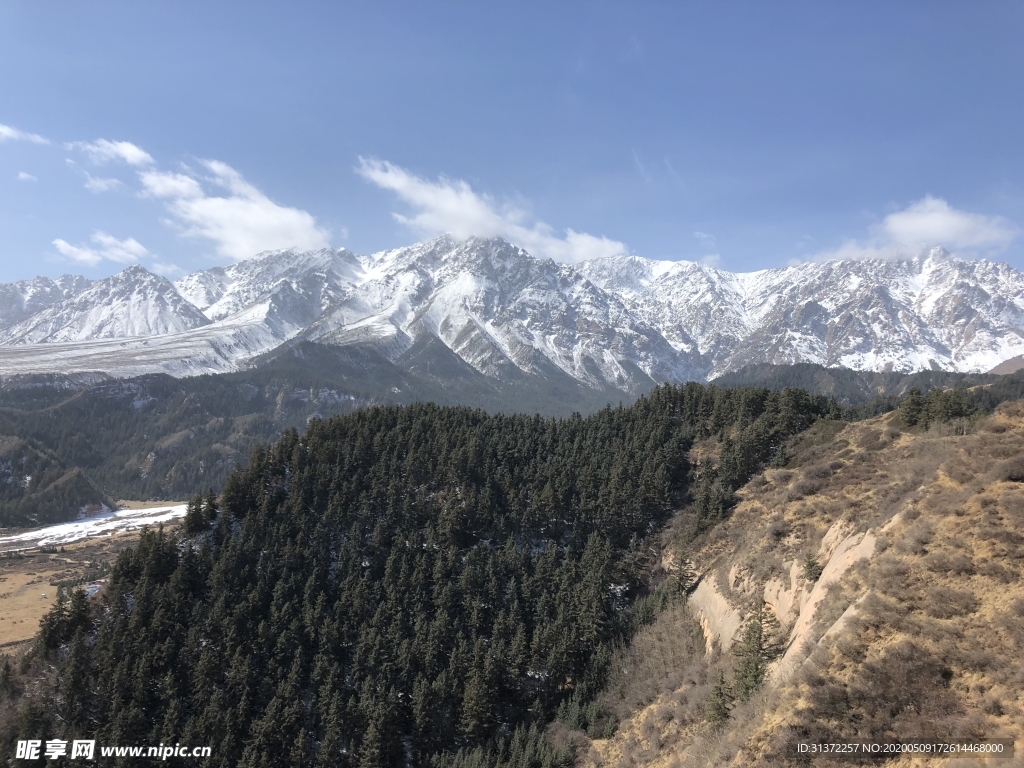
<point x="195" y="517"/>
<point x="912" y="407"/>
<point x="757" y="648"/>
<point x="720" y="701"/>
<point x="812" y="568"/>
<point x="210" y="508"/>
<point x="684" y="577"/>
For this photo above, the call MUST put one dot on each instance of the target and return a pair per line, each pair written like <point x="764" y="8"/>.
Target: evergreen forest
<point x="406" y="585"/>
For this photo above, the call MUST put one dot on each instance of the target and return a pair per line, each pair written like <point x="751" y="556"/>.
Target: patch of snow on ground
<point x="103" y="524"/>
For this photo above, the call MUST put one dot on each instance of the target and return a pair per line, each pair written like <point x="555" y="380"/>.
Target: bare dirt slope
<point x="914" y="628"/>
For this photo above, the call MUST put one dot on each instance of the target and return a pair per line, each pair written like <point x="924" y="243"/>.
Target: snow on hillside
<point x="133" y="302"/>
<point x="25" y="298"/>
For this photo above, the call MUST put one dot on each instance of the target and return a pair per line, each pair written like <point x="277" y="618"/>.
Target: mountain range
<point x="618" y="323"/>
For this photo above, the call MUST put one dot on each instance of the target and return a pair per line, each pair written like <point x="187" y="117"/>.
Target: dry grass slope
<point x="914" y="630"/>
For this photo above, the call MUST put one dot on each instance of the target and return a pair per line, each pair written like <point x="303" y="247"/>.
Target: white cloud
<point x="127" y="251"/>
<point x="713" y="260"/>
<point x="933" y="221"/>
<point x="22" y="176"/>
<point x="450" y="205"/>
<point x="928" y="223"/>
<point x="96" y="184"/>
<point x="705" y="238"/>
<point x="7" y="133"/>
<point x="176" y="185"/>
<point x="242" y="223"/>
<point x="167" y="270"/>
<point x="103" y="151"/>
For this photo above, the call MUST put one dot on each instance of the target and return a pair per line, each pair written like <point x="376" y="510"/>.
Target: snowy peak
<point x="318" y="276"/>
<point x="26" y="297"/>
<point x="503" y="312"/>
<point x="927" y="312"/>
<point x="134" y="302"/>
<point x="622" y="322"/>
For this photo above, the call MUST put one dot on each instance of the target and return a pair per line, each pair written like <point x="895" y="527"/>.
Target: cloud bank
<point x="7" y="133"/>
<point x="451" y="205"/>
<point x="928" y="223"/>
<point x="241" y="223"/>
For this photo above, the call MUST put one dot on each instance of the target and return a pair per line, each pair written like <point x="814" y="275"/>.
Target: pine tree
<point x="812" y="568"/>
<point x="195" y="518"/>
<point x="912" y="408"/>
<point x="719" y="702"/>
<point x="74" y="685"/>
<point x="6" y="676"/>
<point x="756" y="650"/>
<point x="781" y="457"/>
<point x="684" y="577"/>
<point x="477" y="718"/>
<point x="210" y="509"/>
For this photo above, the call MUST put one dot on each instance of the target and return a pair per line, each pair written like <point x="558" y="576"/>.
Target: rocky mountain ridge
<point x="620" y="322"/>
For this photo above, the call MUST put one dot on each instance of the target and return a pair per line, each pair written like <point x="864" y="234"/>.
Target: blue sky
<point x="183" y="135"/>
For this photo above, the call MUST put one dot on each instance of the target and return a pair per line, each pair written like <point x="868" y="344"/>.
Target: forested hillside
<point x="406" y="585"/>
<point x="156" y="437"/>
<point x="36" y="487"/>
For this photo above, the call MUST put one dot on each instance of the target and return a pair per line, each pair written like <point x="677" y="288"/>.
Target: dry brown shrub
<point x="1011" y="470"/>
<point x="995" y="571"/>
<point x="996" y="427"/>
<point x="945" y="602"/>
<point x="663" y="657"/>
<point x="944" y="504"/>
<point x="889" y="574"/>
<point x="903" y="692"/>
<point x="955" y="564"/>
<point x="818" y="472"/>
<point x="958" y="471"/>
<point x="1003" y="449"/>
<point x="777" y="529"/>
<point x="869" y="438"/>
<point x="757" y="483"/>
<point x="917" y="537"/>
<point x="803" y="488"/>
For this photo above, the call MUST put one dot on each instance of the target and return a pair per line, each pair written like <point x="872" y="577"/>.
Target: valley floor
<point x="30" y="577"/>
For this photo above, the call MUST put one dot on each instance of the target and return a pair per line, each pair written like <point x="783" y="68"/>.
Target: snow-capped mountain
<point x="134" y="302"/>
<point x="621" y="322"/>
<point x="929" y="312"/>
<point x="308" y="282"/>
<point x="498" y="308"/>
<point x="24" y="298"/>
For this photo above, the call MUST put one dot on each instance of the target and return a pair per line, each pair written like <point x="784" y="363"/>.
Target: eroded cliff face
<point x="915" y="626"/>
